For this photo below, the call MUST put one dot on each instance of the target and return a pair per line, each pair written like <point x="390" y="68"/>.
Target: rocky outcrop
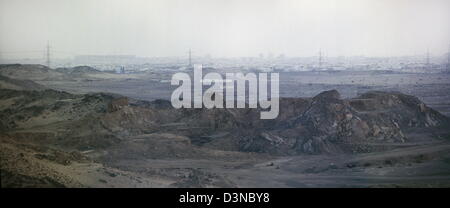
<point x="404" y="110"/>
<point x="32" y="72"/>
<point x="325" y="123"/>
<point x="328" y="124"/>
<point x="117" y="104"/>
<point x="17" y="84"/>
<point x="78" y="70"/>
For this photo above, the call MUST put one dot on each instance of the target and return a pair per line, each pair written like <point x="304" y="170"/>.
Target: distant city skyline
<point x="224" y="28"/>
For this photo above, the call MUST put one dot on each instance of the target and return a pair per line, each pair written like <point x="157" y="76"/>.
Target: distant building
<point x="121" y="70"/>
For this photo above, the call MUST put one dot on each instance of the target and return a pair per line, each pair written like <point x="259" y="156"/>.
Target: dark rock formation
<point x="322" y="124"/>
<point x="328" y="124"/>
<point x="117" y="104"/>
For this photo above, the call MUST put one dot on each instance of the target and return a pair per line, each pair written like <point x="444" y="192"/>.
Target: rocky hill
<point x="36" y="72"/>
<point x="78" y="70"/>
<point x="30" y="72"/>
<point x="322" y="124"/>
<point x="49" y="130"/>
<point x="17" y="84"/>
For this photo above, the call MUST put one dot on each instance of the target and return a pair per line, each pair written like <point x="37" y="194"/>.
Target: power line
<point x="448" y="58"/>
<point x="48" y="55"/>
<point x="320" y="57"/>
<point x="190" y="57"/>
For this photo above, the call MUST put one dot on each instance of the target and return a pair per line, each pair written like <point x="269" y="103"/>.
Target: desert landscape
<point x="81" y="127"/>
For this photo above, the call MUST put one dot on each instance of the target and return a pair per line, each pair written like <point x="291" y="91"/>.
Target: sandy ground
<point x="408" y="165"/>
<point x="433" y="89"/>
<point x="416" y="166"/>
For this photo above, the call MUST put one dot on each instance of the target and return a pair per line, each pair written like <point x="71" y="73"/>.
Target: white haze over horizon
<point x="224" y="28"/>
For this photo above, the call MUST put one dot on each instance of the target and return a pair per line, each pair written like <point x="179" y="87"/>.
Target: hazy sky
<point x="227" y="28"/>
